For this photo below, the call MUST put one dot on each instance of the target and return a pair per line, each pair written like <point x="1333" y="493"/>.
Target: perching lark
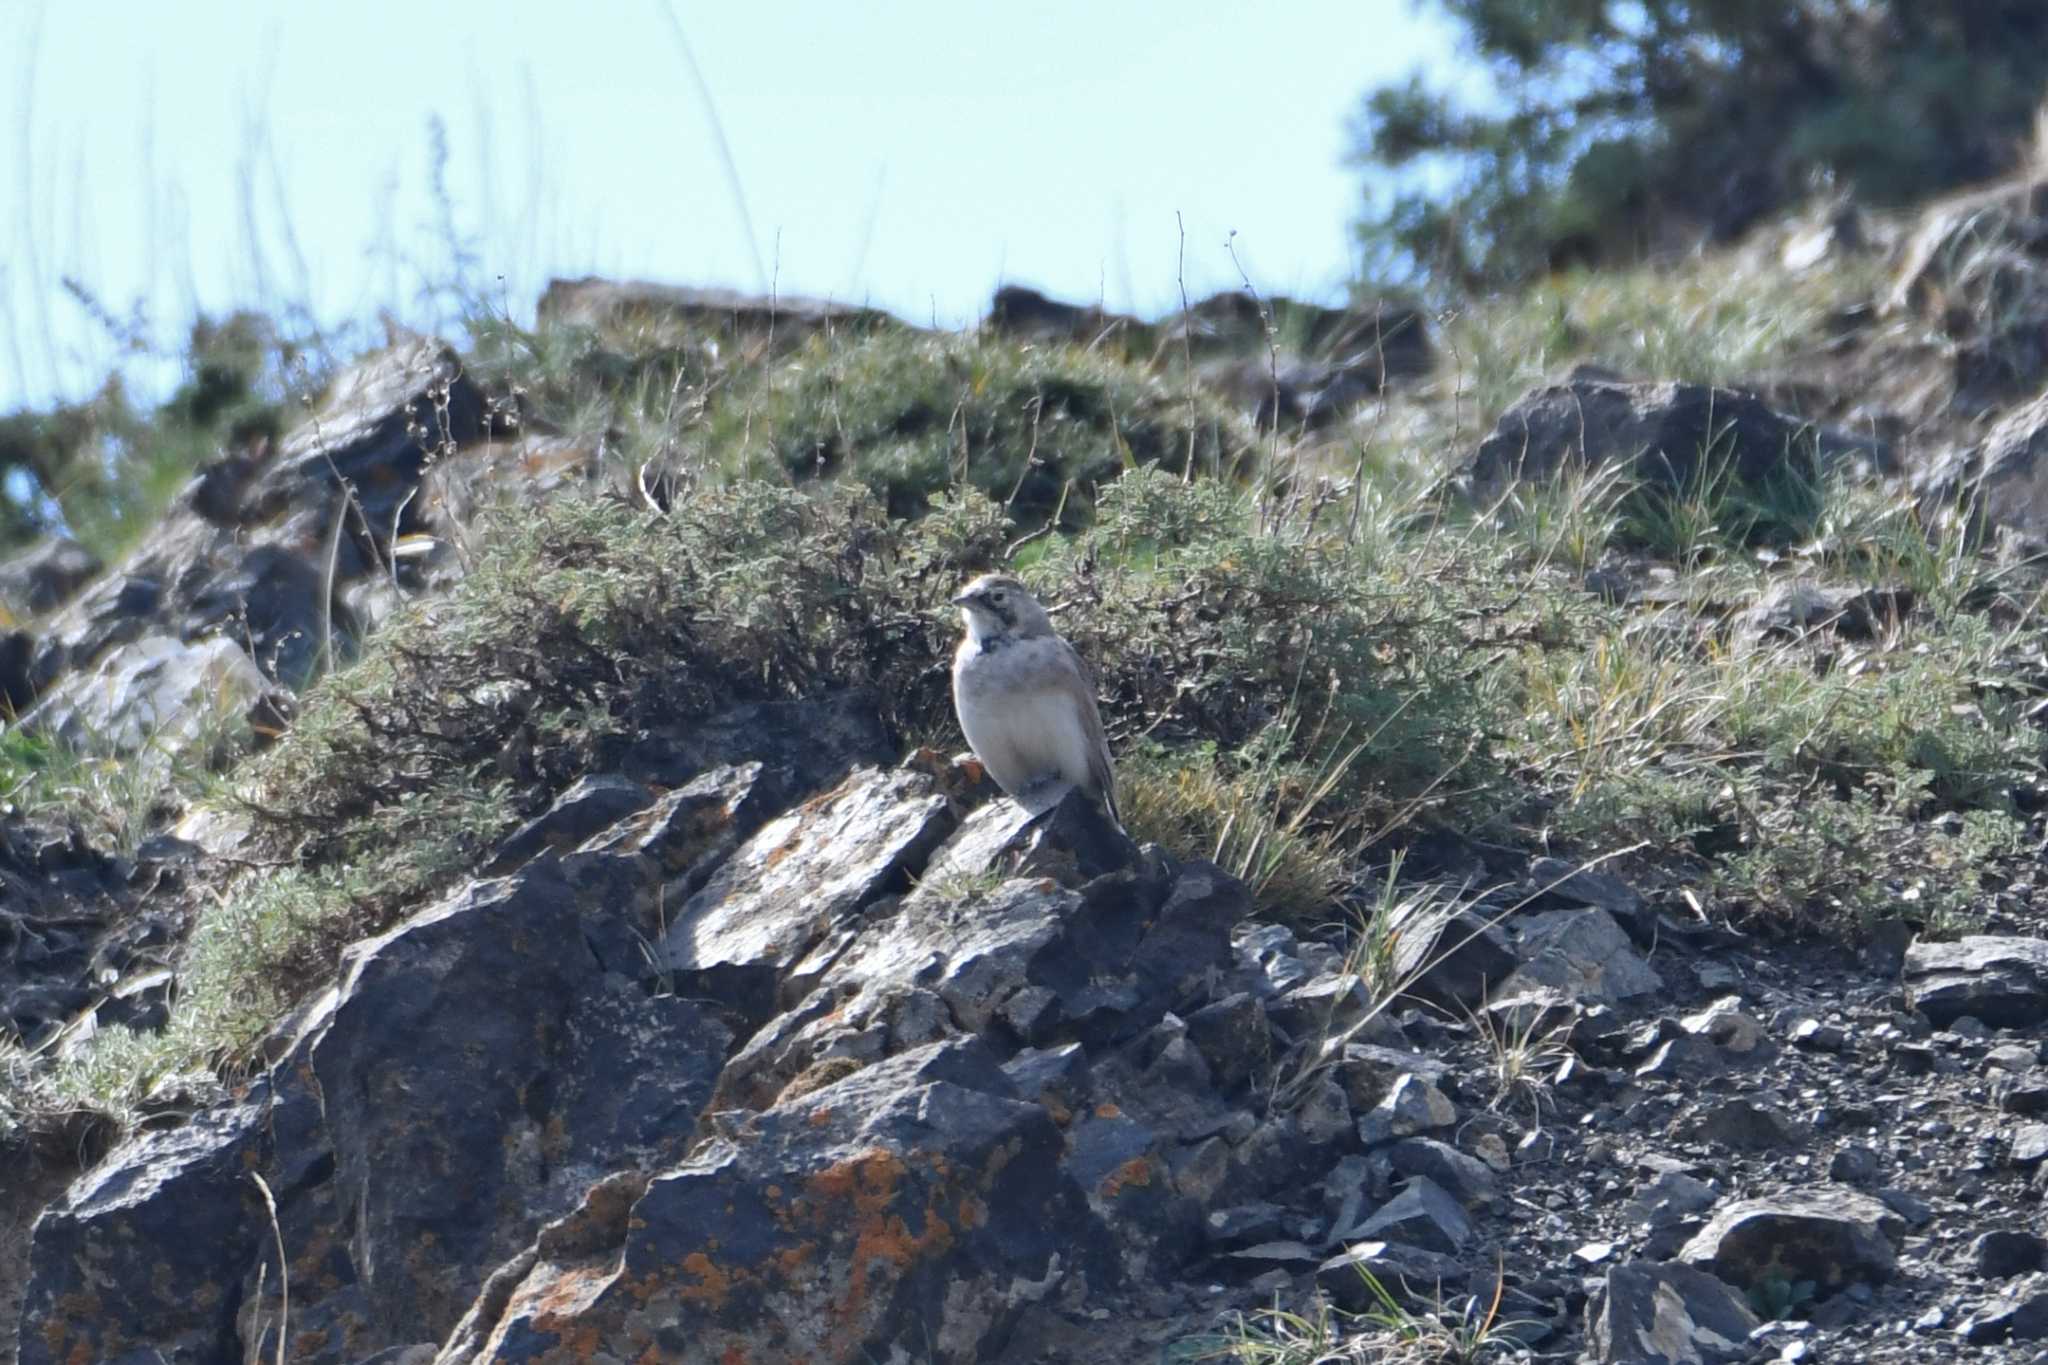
<point x="1025" y="701"/>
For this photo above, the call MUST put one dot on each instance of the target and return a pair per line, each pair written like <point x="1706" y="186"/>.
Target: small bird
<point x="1025" y="701"/>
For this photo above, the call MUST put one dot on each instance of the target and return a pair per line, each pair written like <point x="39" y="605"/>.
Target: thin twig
<point x="1051" y="524"/>
<point x="1372" y="436"/>
<point x="725" y="158"/>
<point x="1187" y="347"/>
<point x="332" y="560"/>
<point x="284" y="1272"/>
<point x="397" y="516"/>
<point x="1273" y="370"/>
<point x="349" y="502"/>
<point x="1030" y="455"/>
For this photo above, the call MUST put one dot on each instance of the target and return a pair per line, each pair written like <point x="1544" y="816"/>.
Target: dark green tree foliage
<point x="1614" y="128"/>
<point x="103" y="468"/>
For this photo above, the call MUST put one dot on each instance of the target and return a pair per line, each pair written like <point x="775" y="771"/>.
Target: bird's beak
<point x="964" y="599"/>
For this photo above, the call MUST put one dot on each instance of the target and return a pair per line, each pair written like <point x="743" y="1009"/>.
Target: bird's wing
<point x="1099" y="770"/>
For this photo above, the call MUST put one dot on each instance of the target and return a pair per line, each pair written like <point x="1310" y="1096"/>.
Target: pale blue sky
<point x="912" y="155"/>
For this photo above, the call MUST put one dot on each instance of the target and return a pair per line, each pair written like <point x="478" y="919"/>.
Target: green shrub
<point x="909" y="416"/>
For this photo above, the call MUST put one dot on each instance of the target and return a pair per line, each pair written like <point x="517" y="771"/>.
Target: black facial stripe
<point x="997" y="610"/>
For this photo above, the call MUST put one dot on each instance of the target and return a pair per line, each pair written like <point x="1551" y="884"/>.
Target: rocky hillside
<point x="488" y="875"/>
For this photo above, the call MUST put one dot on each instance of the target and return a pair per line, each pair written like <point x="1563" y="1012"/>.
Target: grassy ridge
<point x="1309" y="650"/>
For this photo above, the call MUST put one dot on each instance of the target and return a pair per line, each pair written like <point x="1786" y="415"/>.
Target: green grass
<point x="1721" y="319"/>
<point x="116" y="800"/>
<point x="1036" y="428"/>
<point x="1811" y="783"/>
<point x="908" y="415"/>
<point x="1458" y="1331"/>
<point x="1256" y="813"/>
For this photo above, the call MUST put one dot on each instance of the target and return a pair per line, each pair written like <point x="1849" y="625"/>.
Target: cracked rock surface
<point x="728" y="1056"/>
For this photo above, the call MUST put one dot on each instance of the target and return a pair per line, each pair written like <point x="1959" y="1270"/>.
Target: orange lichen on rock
<point x="567" y="1294"/>
<point x="883" y="1240"/>
<point x="576" y="1338"/>
<point x="313" y="1259"/>
<point x="868" y="1180"/>
<point x="713" y="1286"/>
<point x="1136" y="1171"/>
<point x="73" y="1310"/>
<point x="889" y="1239"/>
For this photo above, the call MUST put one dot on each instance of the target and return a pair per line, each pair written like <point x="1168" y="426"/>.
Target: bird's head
<point x="996" y="604"/>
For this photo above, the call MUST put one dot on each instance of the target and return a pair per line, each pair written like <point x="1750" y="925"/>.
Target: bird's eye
<point x="996" y="596"/>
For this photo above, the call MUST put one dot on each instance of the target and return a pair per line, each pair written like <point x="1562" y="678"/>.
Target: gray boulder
<point x="910" y="1210"/>
<point x="1661" y="1314"/>
<point x="727" y="314"/>
<point x="1019" y="311"/>
<point x="46" y="576"/>
<point x="1582" y="955"/>
<point x="143" y="1250"/>
<point x="251" y="548"/>
<point x="448" y="1162"/>
<point x="2001" y="980"/>
<point x="1832" y="1236"/>
<point x="156" y="698"/>
<point x="525" y="1121"/>
<point x="1661" y="431"/>
<point x="803" y="874"/>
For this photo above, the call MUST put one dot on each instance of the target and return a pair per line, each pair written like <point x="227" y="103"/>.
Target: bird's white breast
<point x="1022" y="724"/>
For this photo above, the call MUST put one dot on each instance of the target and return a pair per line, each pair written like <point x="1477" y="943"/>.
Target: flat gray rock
<point x="154" y="698"/>
<point x="1834" y="1237"/>
<point x="1422" y="1215"/>
<point x="1664" y="1314"/>
<point x="1999" y="979"/>
<point x="1412" y="1106"/>
<point x="1411" y="1274"/>
<point x="1582" y="953"/>
<point x="781" y="891"/>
